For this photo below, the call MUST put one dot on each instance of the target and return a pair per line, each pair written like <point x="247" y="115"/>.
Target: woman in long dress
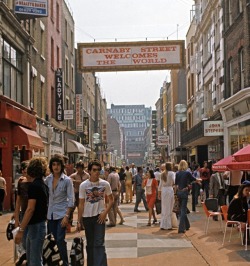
<point x="166" y="195"/>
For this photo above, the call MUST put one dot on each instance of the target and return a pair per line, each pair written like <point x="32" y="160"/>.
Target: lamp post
<point x="180" y="116"/>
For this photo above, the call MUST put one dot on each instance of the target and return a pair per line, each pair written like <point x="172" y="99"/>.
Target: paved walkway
<point x="136" y="244"/>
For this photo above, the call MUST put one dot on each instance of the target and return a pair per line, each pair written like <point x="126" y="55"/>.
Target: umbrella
<point x="229" y="164"/>
<point x="243" y="154"/>
<point x="221" y="165"/>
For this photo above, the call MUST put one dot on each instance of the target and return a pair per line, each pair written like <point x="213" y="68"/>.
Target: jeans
<point x="140" y="195"/>
<point x="195" y="195"/>
<point x="95" y="234"/>
<point x="205" y="187"/>
<point x="184" y="222"/>
<point x="59" y="232"/>
<point x="2" y="194"/>
<point x="34" y="243"/>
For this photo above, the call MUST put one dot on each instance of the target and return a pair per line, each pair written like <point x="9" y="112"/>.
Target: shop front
<point x="18" y="142"/>
<point x="236" y="116"/>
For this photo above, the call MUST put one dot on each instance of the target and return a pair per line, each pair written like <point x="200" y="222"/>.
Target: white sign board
<point x="213" y="128"/>
<point x="37" y="8"/>
<point x="68" y="115"/>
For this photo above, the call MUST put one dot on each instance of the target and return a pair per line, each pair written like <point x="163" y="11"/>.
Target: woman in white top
<point x="166" y="195"/>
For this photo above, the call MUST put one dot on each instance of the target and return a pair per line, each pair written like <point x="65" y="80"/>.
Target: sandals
<point x="149" y="224"/>
<point x="155" y="221"/>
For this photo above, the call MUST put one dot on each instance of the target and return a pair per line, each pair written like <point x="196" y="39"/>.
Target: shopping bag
<point x="158" y="206"/>
<point x="76" y="253"/>
<point x="51" y="254"/>
<point x="10" y="228"/>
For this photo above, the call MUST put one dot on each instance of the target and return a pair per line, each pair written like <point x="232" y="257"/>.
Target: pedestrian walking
<point x="166" y="195"/>
<point x="34" y="219"/>
<point x="151" y="186"/>
<point x="3" y="191"/>
<point x="182" y="181"/>
<point x="113" y="179"/>
<point x="140" y="192"/>
<point x="128" y="185"/>
<point x="93" y="212"/>
<point x="122" y="177"/>
<point x="61" y="203"/>
<point x="21" y="205"/>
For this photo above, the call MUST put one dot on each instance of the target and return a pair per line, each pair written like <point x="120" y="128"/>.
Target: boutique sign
<point x="59" y="95"/>
<point x="129" y="56"/>
<point x="213" y="128"/>
<point x="32" y="8"/>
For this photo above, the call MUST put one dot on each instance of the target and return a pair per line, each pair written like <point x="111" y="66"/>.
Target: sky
<point x="131" y="20"/>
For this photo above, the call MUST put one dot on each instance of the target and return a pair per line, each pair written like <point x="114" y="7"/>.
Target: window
<point x="240" y="6"/>
<point x="241" y="59"/>
<point x="12" y="72"/>
<point x="231" y="76"/>
<point x="52" y="52"/>
<point x="66" y="31"/>
<point x="230" y="19"/>
<point x="72" y="41"/>
<point x="207" y="44"/>
<point x="58" y="56"/>
<point x="66" y="71"/>
<point x="52" y="9"/>
<point x="42" y="43"/>
<point x="57" y="17"/>
<point x="53" y="102"/>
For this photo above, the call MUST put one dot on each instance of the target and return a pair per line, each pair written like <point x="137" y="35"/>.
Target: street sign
<point x="68" y="115"/>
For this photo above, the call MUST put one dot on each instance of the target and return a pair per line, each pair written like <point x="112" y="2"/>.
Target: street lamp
<point x="180" y="117"/>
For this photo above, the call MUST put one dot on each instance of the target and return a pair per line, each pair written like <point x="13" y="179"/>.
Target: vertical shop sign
<point x="85" y="130"/>
<point x="79" y="118"/>
<point x="59" y="95"/>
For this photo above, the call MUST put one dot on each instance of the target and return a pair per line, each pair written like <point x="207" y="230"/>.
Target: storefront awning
<point x="75" y="147"/>
<point x="26" y="137"/>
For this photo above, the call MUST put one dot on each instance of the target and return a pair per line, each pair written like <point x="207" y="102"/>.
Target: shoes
<point x="1" y="213"/>
<point x="110" y="225"/>
<point x="137" y="211"/>
<point x="162" y="229"/>
<point x="21" y="259"/>
<point x="155" y="221"/>
<point x="181" y="232"/>
<point x="122" y="221"/>
<point x="148" y="224"/>
<point x="170" y="229"/>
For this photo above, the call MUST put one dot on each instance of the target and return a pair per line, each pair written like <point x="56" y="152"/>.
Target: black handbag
<point x="10" y="228"/>
<point x="76" y="253"/>
<point x="158" y="206"/>
<point x="51" y="254"/>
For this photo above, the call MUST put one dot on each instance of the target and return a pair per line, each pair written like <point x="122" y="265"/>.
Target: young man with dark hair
<point x="34" y="220"/>
<point x="61" y="202"/>
<point x="93" y="212"/>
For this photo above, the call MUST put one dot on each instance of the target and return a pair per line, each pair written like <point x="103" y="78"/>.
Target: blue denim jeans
<point x="59" y="233"/>
<point x="95" y="234"/>
<point x="140" y="195"/>
<point x="184" y="222"/>
<point x="34" y="243"/>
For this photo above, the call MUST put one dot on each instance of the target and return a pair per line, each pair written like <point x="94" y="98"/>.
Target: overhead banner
<point x="32" y="8"/>
<point x="59" y="95"/>
<point x="129" y="56"/>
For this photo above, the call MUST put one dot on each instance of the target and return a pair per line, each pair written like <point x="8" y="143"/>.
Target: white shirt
<point x="157" y="175"/>
<point x="94" y="195"/>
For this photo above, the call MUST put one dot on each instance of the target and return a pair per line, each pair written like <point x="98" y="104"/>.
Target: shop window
<point x="12" y="72"/>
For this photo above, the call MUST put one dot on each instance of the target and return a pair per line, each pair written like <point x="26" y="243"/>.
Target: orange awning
<point x="25" y="137"/>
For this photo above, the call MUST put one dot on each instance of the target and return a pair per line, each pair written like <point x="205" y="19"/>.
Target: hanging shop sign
<point x="129" y="56"/>
<point x="59" y="95"/>
<point x="213" y="128"/>
<point x="79" y="118"/>
<point x="31" y="8"/>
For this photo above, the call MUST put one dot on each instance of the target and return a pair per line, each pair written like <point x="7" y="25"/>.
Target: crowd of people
<point x="47" y="198"/>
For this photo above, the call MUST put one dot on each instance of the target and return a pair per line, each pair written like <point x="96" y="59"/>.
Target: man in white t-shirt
<point x="157" y="174"/>
<point x="93" y="212"/>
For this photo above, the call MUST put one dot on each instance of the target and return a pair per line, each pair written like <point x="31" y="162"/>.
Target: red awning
<point x="243" y="154"/>
<point x="25" y="137"/>
<point x="221" y="165"/>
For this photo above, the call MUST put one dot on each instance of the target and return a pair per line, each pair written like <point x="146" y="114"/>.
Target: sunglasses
<point x="95" y="169"/>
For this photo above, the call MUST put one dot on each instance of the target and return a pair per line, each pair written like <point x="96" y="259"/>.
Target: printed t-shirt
<point x="94" y="195"/>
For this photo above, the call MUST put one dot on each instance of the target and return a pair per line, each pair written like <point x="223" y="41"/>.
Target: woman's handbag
<point x="158" y="206"/>
<point x="176" y="208"/>
<point x="10" y="228"/>
<point x="51" y="254"/>
<point x="76" y="253"/>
